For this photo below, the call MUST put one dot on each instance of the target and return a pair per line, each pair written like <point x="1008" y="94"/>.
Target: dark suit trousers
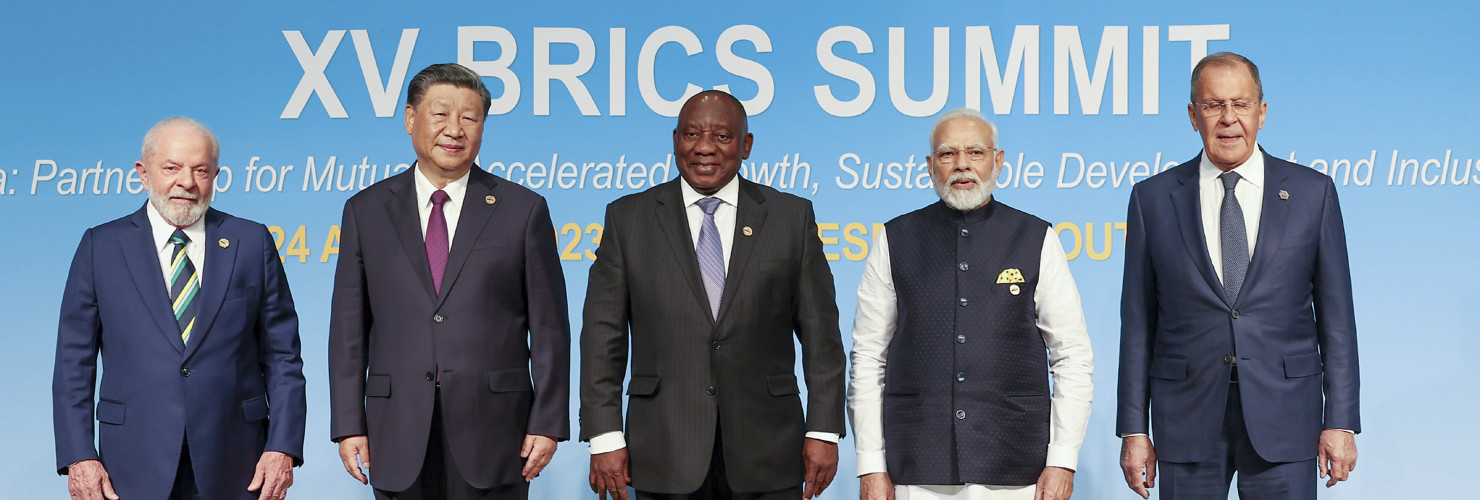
<point x="185" y="488"/>
<point x="440" y="478"/>
<point x="716" y="485"/>
<point x="1257" y="479"/>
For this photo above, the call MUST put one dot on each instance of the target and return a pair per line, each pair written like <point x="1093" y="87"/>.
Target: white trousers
<point x="964" y="492"/>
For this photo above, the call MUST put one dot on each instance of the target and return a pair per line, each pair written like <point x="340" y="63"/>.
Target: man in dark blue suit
<point x="1238" y="338"/>
<point x="202" y="395"/>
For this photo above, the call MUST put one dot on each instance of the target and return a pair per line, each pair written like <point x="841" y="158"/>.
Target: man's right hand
<point x="609" y="474"/>
<point x="875" y="486"/>
<point x="88" y="480"/>
<point x="354" y="451"/>
<point x="1138" y="462"/>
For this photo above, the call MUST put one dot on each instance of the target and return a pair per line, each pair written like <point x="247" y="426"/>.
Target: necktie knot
<point x="709" y="204"/>
<point x="1230" y="179"/>
<point x="440" y="197"/>
<point x="179" y="237"/>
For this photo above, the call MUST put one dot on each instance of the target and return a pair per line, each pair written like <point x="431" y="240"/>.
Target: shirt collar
<point x="1250" y="171"/>
<point x="162" y="229"/>
<point x="730" y="194"/>
<point x="455" y="189"/>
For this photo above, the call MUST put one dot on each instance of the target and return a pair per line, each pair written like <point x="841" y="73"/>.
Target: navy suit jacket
<point x="500" y="318"/>
<point x="1293" y="325"/>
<point x="156" y="391"/>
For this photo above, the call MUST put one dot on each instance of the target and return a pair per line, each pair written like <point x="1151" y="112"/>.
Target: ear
<point x="1263" y="112"/>
<point x="997" y="162"/>
<point x="1192" y="116"/>
<point x="139" y="167"/>
<point x="410" y="118"/>
<point x="745" y="146"/>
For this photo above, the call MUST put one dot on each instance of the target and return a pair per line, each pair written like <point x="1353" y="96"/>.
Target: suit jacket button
<point x="960" y="414"/>
<point x="960" y="339"/>
<point x="431" y="377"/>
<point x="438" y="318"/>
<point x="185" y="372"/>
<point x="709" y="390"/>
<point x="1234" y="314"/>
<point x="716" y="346"/>
<point x="1227" y="359"/>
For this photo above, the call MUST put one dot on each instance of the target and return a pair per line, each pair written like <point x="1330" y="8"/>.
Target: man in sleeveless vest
<point x="958" y="303"/>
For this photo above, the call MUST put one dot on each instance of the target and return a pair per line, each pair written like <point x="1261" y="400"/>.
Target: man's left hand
<point x="820" y="458"/>
<point x="1336" y="456"/>
<point x="274" y="475"/>
<point x="537" y="452"/>
<point x="1055" y="483"/>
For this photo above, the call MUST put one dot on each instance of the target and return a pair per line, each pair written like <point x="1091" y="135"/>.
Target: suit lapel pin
<point x="747" y="231"/>
<point x="1014" y="289"/>
<point x="489" y="199"/>
<point x="1284" y="195"/>
<point x="223" y="242"/>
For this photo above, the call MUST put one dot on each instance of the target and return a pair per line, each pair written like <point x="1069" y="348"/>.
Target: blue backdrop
<point x="1090" y="97"/>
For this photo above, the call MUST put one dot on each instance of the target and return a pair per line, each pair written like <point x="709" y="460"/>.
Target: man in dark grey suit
<point x="709" y="278"/>
<point x="448" y="297"/>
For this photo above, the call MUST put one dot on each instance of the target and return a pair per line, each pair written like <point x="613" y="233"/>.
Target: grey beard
<point x="176" y="215"/>
<point x="964" y="200"/>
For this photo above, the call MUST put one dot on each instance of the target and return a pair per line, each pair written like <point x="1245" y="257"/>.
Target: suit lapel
<point x="1273" y="219"/>
<point x="405" y="217"/>
<point x="216" y="279"/>
<point x="142" y="259"/>
<point x="751" y="213"/>
<point x="675" y="226"/>
<point x="1189" y="222"/>
<point x="475" y="214"/>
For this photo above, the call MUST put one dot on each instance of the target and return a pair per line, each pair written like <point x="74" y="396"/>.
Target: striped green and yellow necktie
<point x="184" y="286"/>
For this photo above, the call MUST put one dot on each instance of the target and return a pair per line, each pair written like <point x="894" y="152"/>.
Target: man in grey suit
<point x="709" y="278"/>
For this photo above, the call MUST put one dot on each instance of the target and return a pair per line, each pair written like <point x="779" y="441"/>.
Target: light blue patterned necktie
<point x="1235" y="239"/>
<point x="711" y="255"/>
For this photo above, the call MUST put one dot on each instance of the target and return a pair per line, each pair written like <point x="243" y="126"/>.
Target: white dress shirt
<point x="456" y="191"/>
<point x="724" y="221"/>
<point x="1250" y="194"/>
<point x="195" y="250"/>
<point x="1060" y="321"/>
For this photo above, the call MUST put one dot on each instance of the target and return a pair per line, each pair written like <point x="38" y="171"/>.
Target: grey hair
<point x="962" y="113"/>
<point x="1225" y="59"/>
<point x="152" y="136"/>
<point x="452" y="74"/>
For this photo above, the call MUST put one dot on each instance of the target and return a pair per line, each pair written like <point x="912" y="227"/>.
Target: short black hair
<point x="453" y="74"/>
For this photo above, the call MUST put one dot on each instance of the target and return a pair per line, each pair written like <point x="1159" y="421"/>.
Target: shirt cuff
<point x="1129" y="434"/>
<point x="1348" y="431"/>
<point x="607" y="442"/>
<point x="1062" y="456"/>
<point x="831" y="437"/>
<point x="871" y="462"/>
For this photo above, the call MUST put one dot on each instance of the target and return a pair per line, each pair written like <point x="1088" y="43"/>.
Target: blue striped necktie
<point x="711" y="255"/>
<point x="184" y="286"/>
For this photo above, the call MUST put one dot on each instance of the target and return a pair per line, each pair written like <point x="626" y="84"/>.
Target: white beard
<point x="175" y="214"/>
<point x="964" y="200"/>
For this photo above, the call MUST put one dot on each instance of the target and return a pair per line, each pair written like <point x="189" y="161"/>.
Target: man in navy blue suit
<point x="202" y="392"/>
<point x="1238" y="338"/>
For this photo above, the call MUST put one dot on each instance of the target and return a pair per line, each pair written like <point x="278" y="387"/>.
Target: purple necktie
<point x="711" y="255"/>
<point x="437" y="239"/>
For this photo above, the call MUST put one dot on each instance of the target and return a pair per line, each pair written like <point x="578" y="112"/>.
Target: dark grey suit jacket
<point x="691" y="373"/>
<point x="500" y="317"/>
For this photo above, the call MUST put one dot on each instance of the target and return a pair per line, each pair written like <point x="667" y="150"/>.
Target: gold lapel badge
<point x="747" y="231"/>
<point x="1011" y="276"/>
<point x="223" y="242"/>
<point x="489" y="199"/>
<point x="1284" y="195"/>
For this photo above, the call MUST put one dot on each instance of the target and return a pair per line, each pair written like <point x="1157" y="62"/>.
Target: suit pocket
<point x="776" y="265"/>
<point x="110" y="412"/>
<point x="512" y="380"/>
<point x="255" y="409"/>
<point x="642" y="386"/>
<point x="1169" y="368"/>
<point x="241" y="293"/>
<point x="490" y="243"/>
<point x="1302" y="365"/>
<point x="782" y="385"/>
<point x="378" y="386"/>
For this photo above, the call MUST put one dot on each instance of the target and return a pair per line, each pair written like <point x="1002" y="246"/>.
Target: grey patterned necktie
<point x="1235" y="239"/>
<point x="711" y="255"/>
